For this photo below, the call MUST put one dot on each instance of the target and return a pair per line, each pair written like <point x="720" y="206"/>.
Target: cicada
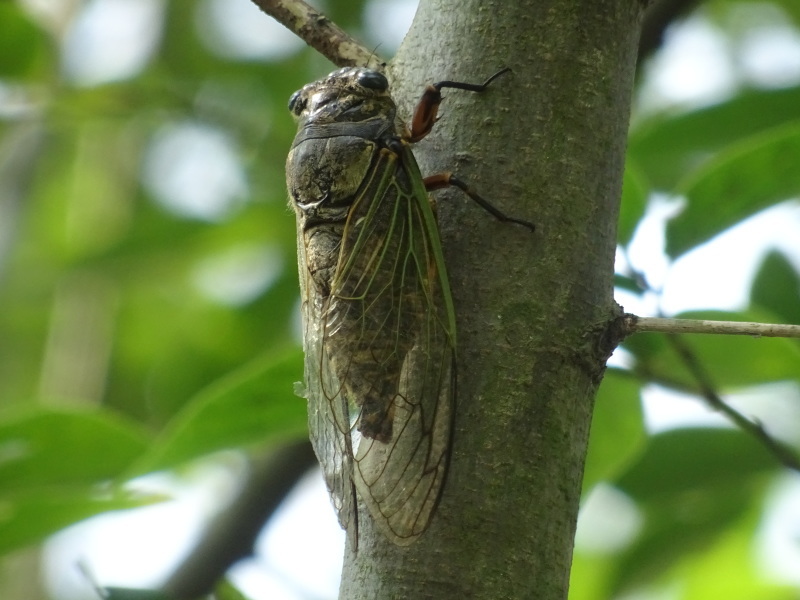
<point x="378" y="318"/>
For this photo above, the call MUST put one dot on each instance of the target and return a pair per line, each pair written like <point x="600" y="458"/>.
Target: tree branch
<point x="633" y="324"/>
<point x="630" y="324"/>
<point x="659" y="16"/>
<point x="233" y="532"/>
<point x="780" y="451"/>
<point x="320" y="33"/>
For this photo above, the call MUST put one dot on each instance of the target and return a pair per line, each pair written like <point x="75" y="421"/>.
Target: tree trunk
<point x="545" y="143"/>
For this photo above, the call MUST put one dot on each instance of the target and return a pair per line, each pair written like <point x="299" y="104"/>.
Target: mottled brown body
<point x="366" y="338"/>
<point x="378" y="321"/>
<point x="378" y="326"/>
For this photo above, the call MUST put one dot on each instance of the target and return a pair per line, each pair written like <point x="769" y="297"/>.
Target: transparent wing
<point x="382" y="364"/>
<point x="333" y="449"/>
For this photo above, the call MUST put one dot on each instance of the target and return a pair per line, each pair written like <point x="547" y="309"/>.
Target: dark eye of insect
<point x="373" y="80"/>
<point x="294" y="105"/>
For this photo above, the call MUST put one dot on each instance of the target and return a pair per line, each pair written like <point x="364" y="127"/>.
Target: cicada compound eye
<point x="373" y="80"/>
<point x="297" y="103"/>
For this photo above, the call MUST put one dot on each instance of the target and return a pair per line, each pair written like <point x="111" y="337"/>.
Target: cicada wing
<point x="326" y="410"/>
<point x="398" y="374"/>
<point x="379" y="343"/>
<point x="401" y="481"/>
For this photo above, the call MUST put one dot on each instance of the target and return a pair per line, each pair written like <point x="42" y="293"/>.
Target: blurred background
<point x="149" y="323"/>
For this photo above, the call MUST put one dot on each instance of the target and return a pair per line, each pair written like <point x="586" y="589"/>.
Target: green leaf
<point x="254" y="404"/>
<point x="20" y="42"/>
<point x="30" y="517"/>
<point x="47" y="447"/>
<point x="730" y="361"/>
<point x="727" y="570"/>
<point x="790" y="8"/>
<point x="645" y="347"/>
<point x="740" y="181"/>
<point x="776" y="287"/>
<point x="627" y="283"/>
<point x="684" y="460"/>
<point x="635" y="190"/>
<point x="589" y="575"/>
<point x="692" y="484"/>
<point x="225" y="590"/>
<point x="678" y="527"/>
<point x="617" y="434"/>
<point x="50" y="461"/>
<point x="666" y="147"/>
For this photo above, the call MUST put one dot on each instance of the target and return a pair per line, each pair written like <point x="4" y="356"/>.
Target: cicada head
<point x="350" y="94"/>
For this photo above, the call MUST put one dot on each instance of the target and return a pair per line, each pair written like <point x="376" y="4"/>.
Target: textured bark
<point x="545" y="143"/>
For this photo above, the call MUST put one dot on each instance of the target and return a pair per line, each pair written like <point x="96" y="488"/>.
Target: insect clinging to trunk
<point x="378" y="319"/>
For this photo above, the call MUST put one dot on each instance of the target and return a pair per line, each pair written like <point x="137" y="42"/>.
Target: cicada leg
<point x="428" y="106"/>
<point x="421" y="125"/>
<point x="443" y="180"/>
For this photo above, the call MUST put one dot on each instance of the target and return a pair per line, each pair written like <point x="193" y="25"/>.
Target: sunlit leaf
<point x="21" y="42"/>
<point x="589" y="576"/>
<point x="667" y="147"/>
<point x="617" y="434"/>
<point x="629" y="284"/>
<point x="679" y="461"/>
<point x="727" y="568"/>
<point x="48" y="447"/>
<point x="691" y="484"/>
<point x="680" y="526"/>
<point x="254" y="404"/>
<point x="738" y="182"/>
<point x="29" y="517"/>
<point x="776" y="287"/>
<point x="635" y="189"/>
<point x="225" y="590"/>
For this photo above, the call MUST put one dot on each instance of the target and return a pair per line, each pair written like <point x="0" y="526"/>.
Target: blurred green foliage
<point x="130" y="341"/>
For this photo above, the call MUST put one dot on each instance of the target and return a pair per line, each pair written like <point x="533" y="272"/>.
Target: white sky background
<point x="300" y="553"/>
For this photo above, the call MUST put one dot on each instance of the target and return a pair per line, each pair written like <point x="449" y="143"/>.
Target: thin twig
<point x="785" y="455"/>
<point x="630" y="324"/>
<point x="633" y="324"/>
<point x="320" y="33"/>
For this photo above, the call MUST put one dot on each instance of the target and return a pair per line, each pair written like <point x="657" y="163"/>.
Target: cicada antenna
<point x="374" y="54"/>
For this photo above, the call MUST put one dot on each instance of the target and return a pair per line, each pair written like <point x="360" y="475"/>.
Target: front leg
<point x="428" y="106"/>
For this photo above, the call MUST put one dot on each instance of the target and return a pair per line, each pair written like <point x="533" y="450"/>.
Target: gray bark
<point x="545" y="143"/>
